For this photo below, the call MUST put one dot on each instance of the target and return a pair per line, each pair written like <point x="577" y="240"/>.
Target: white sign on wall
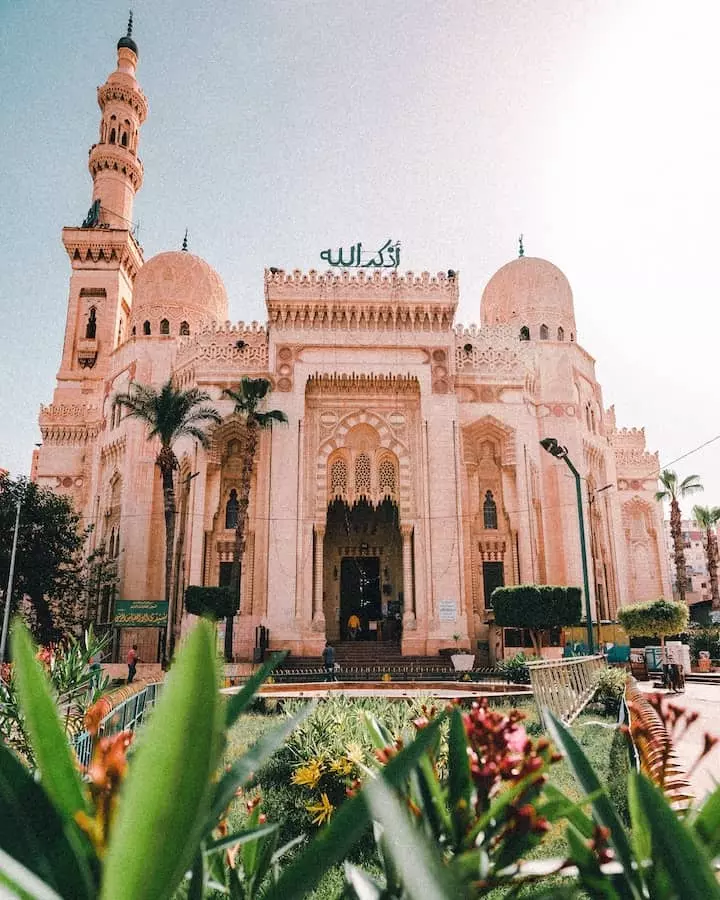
<point x="447" y="610"/>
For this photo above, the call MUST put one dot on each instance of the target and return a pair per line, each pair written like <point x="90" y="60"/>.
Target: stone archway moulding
<point x="387" y="441"/>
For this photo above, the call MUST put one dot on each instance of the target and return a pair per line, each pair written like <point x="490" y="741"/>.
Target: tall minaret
<point x="104" y="254"/>
<point x="105" y="258"/>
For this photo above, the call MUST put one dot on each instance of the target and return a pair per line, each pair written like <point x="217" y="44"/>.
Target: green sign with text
<point x="141" y="613"/>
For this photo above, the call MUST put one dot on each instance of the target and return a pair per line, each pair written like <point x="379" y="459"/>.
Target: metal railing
<point x="126" y="716"/>
<point x="310" y="673"/>
<point x="565" y="686"/>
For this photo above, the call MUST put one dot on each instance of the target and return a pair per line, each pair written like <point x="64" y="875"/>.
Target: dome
<point x="532" y="294"/>
<point x="180" y="288"/>
<point x="128" y="42"/>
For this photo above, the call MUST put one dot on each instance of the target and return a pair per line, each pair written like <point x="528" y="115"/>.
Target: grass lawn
<point x="602" y="743"/>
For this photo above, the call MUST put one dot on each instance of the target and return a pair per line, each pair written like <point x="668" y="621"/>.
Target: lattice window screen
<point x="362" y="475"/>
<point x="338" y="479"/>
<point x="387" y="479"/>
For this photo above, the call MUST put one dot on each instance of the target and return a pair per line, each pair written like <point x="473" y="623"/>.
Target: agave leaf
<point x="707" y="823"/>
<point x="423" y="873"/>
<point x="33" y="832"/>
<point x="58" y="770"/>
<point x="240" y="837"/>
<point x="363" y="886"/>
<point x="244" y="768"/>
<point x="459" y="779"/>
<point x="23" y="883"/>
<point x="676" y="847"/>
<point x="168" y="789"/>
<point x="603" y="810"/>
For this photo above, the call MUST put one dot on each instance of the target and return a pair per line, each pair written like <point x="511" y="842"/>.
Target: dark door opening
<point x="493" y="577"/>
<point x="225" y="580"/>
<point x="360" y="594"/>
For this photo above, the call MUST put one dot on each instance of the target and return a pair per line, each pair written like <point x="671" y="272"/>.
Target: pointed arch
<point x="544" y="332"/>
<point x="524" y="333"/>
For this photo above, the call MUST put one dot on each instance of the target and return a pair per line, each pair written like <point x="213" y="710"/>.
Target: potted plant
<point x="462" y="661"/>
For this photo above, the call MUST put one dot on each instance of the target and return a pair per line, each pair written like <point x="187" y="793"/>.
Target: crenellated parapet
<point x="243" y="347"/>
<point x="369" y="383"/>
<point x="358" y="301"/>
<point x="493" y="352"/>
<point x="103" y="247"/>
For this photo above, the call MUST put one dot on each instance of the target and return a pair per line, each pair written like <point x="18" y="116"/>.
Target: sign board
<point x="141" y="613"/>
<point x="447" y="610"/>
<point x="387" y="257"/>
<point x="715" y="617"/>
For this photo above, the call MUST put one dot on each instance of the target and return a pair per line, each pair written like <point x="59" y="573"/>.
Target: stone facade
<point x="410" y="477"/>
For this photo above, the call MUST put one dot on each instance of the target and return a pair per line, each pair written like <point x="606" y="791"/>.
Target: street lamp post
<point x="554" y="448"/>
<point x="8" y="594"/>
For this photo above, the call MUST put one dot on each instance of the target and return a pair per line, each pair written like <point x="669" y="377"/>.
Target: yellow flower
<point x="309" y="774"/>
<point x="341" y="766"/>
<point x="355" y="754"/>
<point x="322" y="811"/>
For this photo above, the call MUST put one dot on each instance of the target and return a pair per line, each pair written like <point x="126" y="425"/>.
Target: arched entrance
<point x="363" y="562"/>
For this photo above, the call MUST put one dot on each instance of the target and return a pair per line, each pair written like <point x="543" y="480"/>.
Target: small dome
<point x="530" y="293"/>
<point x="127" y="41"/>
<point x="179" y="287"/>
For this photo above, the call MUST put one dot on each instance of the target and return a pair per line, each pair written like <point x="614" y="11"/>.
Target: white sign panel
<point x="447" y="610"/>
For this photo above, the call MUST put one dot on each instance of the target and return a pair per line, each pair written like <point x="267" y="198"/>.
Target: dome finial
<point x="127" y="39"/>
<point x="184" y="243"/>
<point x="521" y="248"/>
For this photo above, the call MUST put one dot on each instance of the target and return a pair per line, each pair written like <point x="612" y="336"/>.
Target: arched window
<point x="338" y="479"/>
<point x="544" y="333"/>
<point x="362" y="475"/>
<point x="524" y="333"/>
<point x="146" y="327"/>
<point x="111" y="549"/>
<point x="593" y="427"/>
<point x="112" y="136"/>
<point x="91" y="328"/>
<point x="121" y="327"/>
<point x="387" y="481"/>
<point x="184" y="328"/>
<point x="164" y="326"/>
<point x="134" y="331"/>
<point x="117" y="544"/>
<point x="123" y="140"/>
<point x="572" y="336"/>
<point x="231" y="510"/>
<point x="489" y="511"/>
<point x="561" y="333"/>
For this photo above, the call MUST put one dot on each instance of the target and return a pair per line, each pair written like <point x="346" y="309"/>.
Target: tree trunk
<point x="676" y="532"/>
<point x="712" y="563"/>
<point x="536" y="638"/>
<point x="249" y="448"/>
<point x="167" y="463"/>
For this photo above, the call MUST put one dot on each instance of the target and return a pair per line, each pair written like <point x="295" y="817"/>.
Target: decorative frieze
<point x="242" y="345"/>
<point x="362" y="384"/>
<point x="492" y="352"/>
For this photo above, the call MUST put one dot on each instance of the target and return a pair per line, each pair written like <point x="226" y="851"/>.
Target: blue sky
<point x="277" y="129"/>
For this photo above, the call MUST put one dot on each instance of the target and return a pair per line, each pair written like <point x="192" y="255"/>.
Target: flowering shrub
<point x="609" y="688"/>
<point x="447" y="827"/>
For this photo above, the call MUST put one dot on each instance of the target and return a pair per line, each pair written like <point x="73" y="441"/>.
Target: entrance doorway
<point x="493" y="577"/>
<point x="363" y="571"/>
<point x="360" y="595"/>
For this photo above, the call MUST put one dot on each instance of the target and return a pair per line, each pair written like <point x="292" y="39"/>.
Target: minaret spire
<point x="521" y="248"/>
<point x="184" y="243"/>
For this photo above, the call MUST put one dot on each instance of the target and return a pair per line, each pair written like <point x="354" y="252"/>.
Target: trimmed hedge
<point x="536" y="606"/>
<point x="656" y="618"/>
<point x="211" y="602"/>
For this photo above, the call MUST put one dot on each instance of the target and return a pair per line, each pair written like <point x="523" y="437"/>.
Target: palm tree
<point x="707" y="517"/>
<point x="674" y="491"/>
<point x="169" y="414"/>
<point x="248" y="396"/>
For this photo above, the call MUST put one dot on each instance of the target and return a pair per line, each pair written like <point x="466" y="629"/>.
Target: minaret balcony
<point x="87" y="352"/>
<point x="121" y="159"/>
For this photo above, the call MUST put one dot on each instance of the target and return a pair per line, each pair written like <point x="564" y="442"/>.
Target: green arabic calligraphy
<point x="378" y="260"/>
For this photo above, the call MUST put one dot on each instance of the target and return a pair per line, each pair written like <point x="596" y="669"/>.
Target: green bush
<point x="656" y="618"/>
<point x="211" y="602"/>
<point x="515" y="669"/>
<point x="537" y="607"/>
<point x="609" y="689"/>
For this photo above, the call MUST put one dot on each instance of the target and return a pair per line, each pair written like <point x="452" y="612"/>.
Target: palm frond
<point x="266" y="419"/>
<point x="662" y="495"/>
<point x="690" y="485"/>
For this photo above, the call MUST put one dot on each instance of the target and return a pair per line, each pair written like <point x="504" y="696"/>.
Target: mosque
<point x="409" y="481"/>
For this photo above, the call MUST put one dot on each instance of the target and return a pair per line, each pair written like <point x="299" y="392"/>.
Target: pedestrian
<point x="353" y="626"/>
<point x="132" y="661"/>
<point x="328" y="656"/>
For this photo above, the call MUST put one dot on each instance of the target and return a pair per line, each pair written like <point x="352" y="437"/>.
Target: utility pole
<point x="8" y="593"/>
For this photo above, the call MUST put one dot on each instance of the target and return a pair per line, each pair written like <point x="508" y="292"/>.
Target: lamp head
<point x="553" y="447"/>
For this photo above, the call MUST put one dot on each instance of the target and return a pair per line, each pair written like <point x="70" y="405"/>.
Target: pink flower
<point x="516" y="739"/>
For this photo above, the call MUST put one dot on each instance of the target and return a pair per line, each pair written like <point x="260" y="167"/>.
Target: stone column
<point x="318" y="616"/>
<point x="408" y="587"/>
